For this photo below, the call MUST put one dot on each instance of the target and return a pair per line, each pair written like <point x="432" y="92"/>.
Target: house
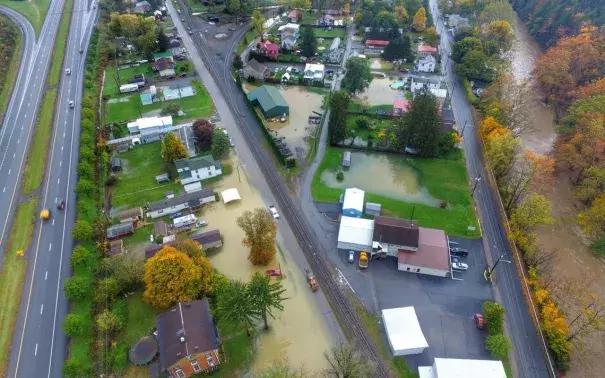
<point x="120" y="230"/>
<point x="432" y="257"/>
<point x="426" y="64"/>
<point x="314" y="72"/>
<point x="376" y="43"/>
<point x="325" y="20"/>
<point x="178" y="92"/>
<point x="116" y="247"/>
<point x="209" y="239"/>
<point x="134" y="215"/>
<point x="294" y="16"/>
<point x="269" y="49"/>
<point x="116" y="164"/>
<point x="346" y="159"/>
<point x="289" y="29"/>
<point x="334" y="53"/>
<point x="160" y="228"/>
<point x="138" y="79"/>
<point x="188" y="339"/>
<point x="146" y="98"/>
<point x="270" y="101"/>
<point x="150" y="124"/>
<point x="394" y="234"/>
<point x="458" y="368"/>
<point x="256" y="70"/>
<point x="355" y="234"/>
<point x="440" y="93"/>
<point x="142" y="7"/>
<point x="403" y="331"/>
<point x="426" y="50"/>
<point x="164" y="67"/>
<point x="352" y="205"/>
<point x="373" y="209"/>
<point x="457" y="22"/>
<point x="166" y="54"/>
<point x="197" y="168"/>
<point x="288" y="41"/>
<point x="163" y="178"/>
<point x="424" y="82"/>
<point x="186" y="201"/>
<point x="401" y="106"/>
<point x="193" y="187"/>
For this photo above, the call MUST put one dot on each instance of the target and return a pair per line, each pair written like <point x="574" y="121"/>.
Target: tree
<point x="235" y="307"/>
<point x="233" y="6"/>
<point x="203" y="131"/>
<point x="398" y="49"/>
<point x="464" y="46"/>
<point x="497" y="10"/>
<point x="260" y="230"/>
<point x="401" y="14"/>
<point x="301" y="4"/>
<point x="500" y="34"/>
<point x="592" y="185"/>
<point x="358" y="76"/>
<point x="207" y="283"/>
<point x="147" y="43"/>
<point x="220" y="145"/>
<point x="532" y="212"/>
<point x="77" y="288"/>
<point x="266" y="296"/>
<point x="431" y="36"/>
<point x="85" y="187"/>
<point x="513" y="98"/>
<point x="76" y="368"/>
<point x="494" y="317"/>
<point x="185" y="67"/>
<point x="337" y="122"/>
<point x="171" y="276"/>
<point x="498" y="345"/>
<point x="192" y="248"/>
<point x="163" y="40"/>
<point x="530" y="172"/>
<point x="80" y="255"/>
<point x="345" y="361"/>
<point x="420" y="127"/>
<point x="172" y="149"/>
<point x="107" y="289"/>
<point x="419" y="23"/>
<point x="128" y="271"/>
<point x="258" y="23"/>
<point x="362" y="122"/>
<point x="476" y="65"/>
<point x="585" y="148"/>
<point x="308" y="44"/>
<point x="238" y="64"/>
<point x="171" y="109"/>
<point x="108" y="322"/>
<point x="282" y="369"/>
<point x="82" y="230"/>
<point x="501" y="147"/>
<point x="592" y="220"/>
<point x="73" y="325"/>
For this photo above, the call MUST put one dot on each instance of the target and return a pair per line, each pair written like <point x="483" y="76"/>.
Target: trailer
<point x="126" y="88"/>
<point x="184" y="221"/>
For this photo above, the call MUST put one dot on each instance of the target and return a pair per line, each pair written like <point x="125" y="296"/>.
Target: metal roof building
<point x="270" y="101"/>
<point x="403" y="331"/>
<point x="352" y="205"/>
<point x="458" y="368"/>
<point x="120" y="230"/>
<point x="355" y="234"/>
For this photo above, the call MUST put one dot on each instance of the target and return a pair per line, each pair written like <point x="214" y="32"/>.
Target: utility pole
<point x="475" y="186"/>
<point x="488" y="272"/>
<point x="413" y="209"/>
<point x="465" y="123"/>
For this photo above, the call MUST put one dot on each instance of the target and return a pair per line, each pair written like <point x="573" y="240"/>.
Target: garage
<point x="355" y="234"/>
<point x="403" y="331"/>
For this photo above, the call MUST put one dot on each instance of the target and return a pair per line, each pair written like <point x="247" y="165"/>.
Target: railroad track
<point x="315" y="257"/>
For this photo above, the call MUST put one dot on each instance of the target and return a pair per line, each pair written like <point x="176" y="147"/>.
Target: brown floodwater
<point x="380" y="92"/>
<point x="299" y="333"/>
<point x="398" y="180"/>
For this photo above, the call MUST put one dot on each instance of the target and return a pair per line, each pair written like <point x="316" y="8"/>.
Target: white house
<point x="352" y="205"/>
<point x="424" y="82"/>
<point x="355" y="234"/>
<point x="197" y="168"/>
<point x="175" y="204"/>
<point x="314" y="72"/>
<point x="290" y="28"/>
<point x="403" y="331"/>
<point x="184" y="221"/>
<point x="440" y="93"/>
<point x="426" y="64"/>
<point x="150" y="124"/>
<point x="288" y="41"/>
<point x="458" y="368"/>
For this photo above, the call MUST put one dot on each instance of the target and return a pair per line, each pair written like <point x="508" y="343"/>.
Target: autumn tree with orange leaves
<point x="260" y="230"/>
<point x="530" y="172"/>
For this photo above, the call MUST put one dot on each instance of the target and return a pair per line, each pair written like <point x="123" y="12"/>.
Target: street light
<point x="465" y="123"/>
<point x="475" y="186"/>
<point x="488" y="273"/>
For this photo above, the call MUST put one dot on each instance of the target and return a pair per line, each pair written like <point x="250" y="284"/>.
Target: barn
<point x="355" y="234"/>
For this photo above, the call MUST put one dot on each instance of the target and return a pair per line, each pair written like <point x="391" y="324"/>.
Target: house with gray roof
<point x="175" y="204"/>
<point x="197" y="168"/>
<point x="120" y="230"/>
<point x="256" y="70"/>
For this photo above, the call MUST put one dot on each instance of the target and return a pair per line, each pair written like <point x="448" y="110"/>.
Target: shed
<point x="193" y="187"/>
<point x="160" y="228"/>
<point x="352" y="205"/>
<point x="131" y="215"/>
<point x="373" y="209"/>
<point x="403" y="331"/>
<point x="120" y="230"/>
<point x="346" y="159"/>
<point x="116" y="247"/>
<point x="459" y="368"/>
<point x="270" y="101"/>
<point x="355" y="234"/>
<point x="209" y="239"/>
<point x="116" y="164"/>
<point x="230" y="195"/>
<point x="146" y="98"/>
<point x="160" y="179"/>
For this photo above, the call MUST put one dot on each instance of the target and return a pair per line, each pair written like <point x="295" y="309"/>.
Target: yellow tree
<point x="592" y="220"/>
<point x="260" y="230"/>
<point x="419" y="22"/>
<point x="172" y="149"/>
<point x="401" y="14"/>
<point x="501" y="147"/>
<point x="501" y="34"/>
<point x="258" y="23"/>
<point x="347" y="8"/>
<point x="171" y="276"/>
<point x="301" y="4"/>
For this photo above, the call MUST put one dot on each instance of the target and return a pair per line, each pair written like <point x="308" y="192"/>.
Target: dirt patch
<point x="380" y="92"/>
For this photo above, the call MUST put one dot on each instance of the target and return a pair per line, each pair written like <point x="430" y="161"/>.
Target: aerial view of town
<point x="302" y="188"/>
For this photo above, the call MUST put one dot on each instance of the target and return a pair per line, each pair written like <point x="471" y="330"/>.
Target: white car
<point x="273" y="211"/>
<point x="201" y="223"/>
<point x="351" y="256"/>
<point x="231" y="142"/>
<point x="459" y="266"/>
<point x="71" y="104"/>
<point x="67" y="71"/>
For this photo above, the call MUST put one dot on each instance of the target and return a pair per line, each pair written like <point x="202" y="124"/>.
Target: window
<point x="195" y="366"/>
<point x="210" y="360"/>
<point x="417" y="270"/>
<point x="408" y="268"/>
<point x="179" y="373"/>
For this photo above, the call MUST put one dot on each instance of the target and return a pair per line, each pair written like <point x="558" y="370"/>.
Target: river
<point x="573" y="257"/>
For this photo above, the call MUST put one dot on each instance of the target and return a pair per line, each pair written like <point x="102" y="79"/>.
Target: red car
<point x="479" y="322"/>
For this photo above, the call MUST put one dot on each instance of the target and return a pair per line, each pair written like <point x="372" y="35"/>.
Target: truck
<point x="311" y="280"/>
<point x="363" y="260"/>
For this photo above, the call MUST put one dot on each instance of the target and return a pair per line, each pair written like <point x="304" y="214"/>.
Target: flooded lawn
<point x="380" y="92"/>
<point x="393" y="178"/>
<point x="299" y="332"/>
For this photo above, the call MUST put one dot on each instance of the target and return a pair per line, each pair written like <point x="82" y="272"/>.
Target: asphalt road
<point x="527" y="344"/>
<point x="39" y="344"/>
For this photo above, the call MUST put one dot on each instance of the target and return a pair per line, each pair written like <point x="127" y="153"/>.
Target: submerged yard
<point x="405" y="186"/>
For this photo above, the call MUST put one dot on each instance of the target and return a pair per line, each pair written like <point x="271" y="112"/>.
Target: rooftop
<point x="185" y="198"/>
<point x="427" y="48"/>
<point x="377" y="42"/>
<point x="268" y="97"/>
<point x="353" y="199"/>
<point x="403" y="329"/>
<point x="459" y="368"/>
<point x="207" y="237"/>
<point x="118" y="230"/>
<point x="195" y="163"/>
<point x="356" y="230"/>
<point x="149" y="122"/>
<point x="396" y="231"/>
<point x="256" y="66"/>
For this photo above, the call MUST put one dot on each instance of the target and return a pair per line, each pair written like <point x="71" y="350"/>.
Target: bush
<point x="79" y="256"/>
<point x="118" y="357"/>
<point x="494" y="317"/>
<point x="77" y="288"/>
<point x="598" y="246"/>
<point x="73" y="325"/>
<point x="74" y="368"/>
<point x="340" y="176"/>
<point x="498" y="345"/>
<point x="82" y="230"/>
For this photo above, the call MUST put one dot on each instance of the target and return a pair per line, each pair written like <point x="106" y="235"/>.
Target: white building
<point x="424" y="82"/>
<point x="314" y="72"/>
<point x="403" y="331"/>
<point x="352" y="205"/>
<point x="426" y="64"/>
<point x="439" y="93"/>
<point x="197" y="168"/>
<point x="184" y="221"/>
<point x="175" y="204"/>
<point x="294" y="28"/>
<point x="150" y="124"/>
<point x="355" y="234"/>
<point x="129" y="88"/>
<point x="456" y="368"/>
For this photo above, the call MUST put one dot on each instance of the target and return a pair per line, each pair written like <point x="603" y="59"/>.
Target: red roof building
<point x="269" y="49"/>
<point x="377" y="43"/>
<point x="401" y="105"/>
<point x="424" y="50"/>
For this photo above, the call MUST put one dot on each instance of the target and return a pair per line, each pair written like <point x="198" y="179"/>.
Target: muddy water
<point x="398" y="179"/>
<point x="299" y="332"/>
<point x="380" y="93"/>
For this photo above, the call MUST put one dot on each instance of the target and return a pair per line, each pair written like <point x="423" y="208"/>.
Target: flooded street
<point x="573" y="257"/>
<point x="398" y="179"/>
<point x="299" y="333"/>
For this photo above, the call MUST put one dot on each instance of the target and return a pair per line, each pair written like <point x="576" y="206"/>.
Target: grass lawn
<point x="12" y="276"/>
<point x="376" y="124"/>
<point x="33" y="10"/>
<point x="115" y="78"/>
<point x="237" y="351"/>
<point x="140" y="235"/>
<point x="357" y="107"/>
<point x="309" y="18"/>
<point x="136" y="185"/>
<point x="445" y="178"/>
<point x="326" y="33"/>
<point x="244" y="42"/>
<point x="129" y="107"/>
<point x="141" y="319"/>
<point x="12" y="62"/>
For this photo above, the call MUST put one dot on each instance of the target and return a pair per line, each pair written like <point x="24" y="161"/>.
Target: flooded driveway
<point x="383" y="174"/>
<point x="299" y="333"/>
<point x="380" y="92"/>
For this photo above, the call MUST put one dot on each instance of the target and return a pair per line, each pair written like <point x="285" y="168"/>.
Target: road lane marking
<point x="56" y="199"/>
<point x="14" y="155"/>
<point x="46" y="275"/>
<point x="61" y="148"/>
<point x="50" y="246"/>
<point x="36" y="350"/>
<point x="9" y="171"/>
<point x="53" y="222"/>
<point x="42" y="309"/>
<point x="60" y="163"/>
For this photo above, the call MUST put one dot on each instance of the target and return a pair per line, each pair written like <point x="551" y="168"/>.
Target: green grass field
<point x="325" y="33"/>
<point x="129" y="107"/>
<point x="13" y="63"/>
<point x="115" y="78"/>
<point x="445" y="179"/>
<point x="12" y="275"/>
<point x="136" y="185"/>
<point x="33" y="10"/>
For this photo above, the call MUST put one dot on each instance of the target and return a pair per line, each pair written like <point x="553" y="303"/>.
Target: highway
<point x="527" y="344"/>
<point x="39" y="344"/>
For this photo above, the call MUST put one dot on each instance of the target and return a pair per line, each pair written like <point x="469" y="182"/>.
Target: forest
<point x="550" y="20"/>
<point x="8" y="39"/>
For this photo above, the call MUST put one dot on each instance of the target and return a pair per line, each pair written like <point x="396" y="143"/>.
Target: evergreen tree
<point x="235" y="307"/>
<point x="163" y="41"/>
<point x="399" y="48"/>
<point x="337" y="125"/>
<point x="420" y="127"/>
<point x="308" y="44"/>
<point x="266" y="296"/>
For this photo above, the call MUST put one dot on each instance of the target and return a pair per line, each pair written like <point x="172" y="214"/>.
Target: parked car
<point x="459" y="252"/>
<point x="176" y="215"/>
<point x="231" y="142"/>
<point x="454" y="259"/>
<point x="452" y="244"/>
<point x="459" y="266"/>
<point x="351" y="256"/>
<point x="479" y="321"/>
<point x="201" y="223"/>
<point x="231" y="29"/>
<point x="273" y="211"/>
